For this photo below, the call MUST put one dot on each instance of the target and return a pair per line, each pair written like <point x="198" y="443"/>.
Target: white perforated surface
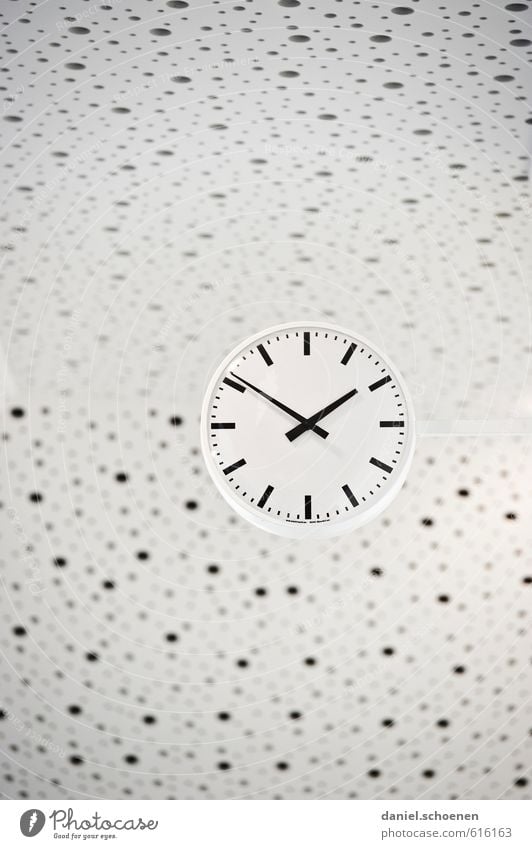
<point x="175" y="178"/>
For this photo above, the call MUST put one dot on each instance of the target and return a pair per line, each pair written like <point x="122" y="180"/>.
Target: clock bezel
<point x="319" y="530"/>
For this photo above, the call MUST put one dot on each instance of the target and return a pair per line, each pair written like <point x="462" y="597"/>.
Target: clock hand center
<point x="311" y="421"/>
<point x="314" y="426"/>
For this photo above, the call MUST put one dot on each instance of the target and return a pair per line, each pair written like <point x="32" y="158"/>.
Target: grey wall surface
<point x="177" y="176"/>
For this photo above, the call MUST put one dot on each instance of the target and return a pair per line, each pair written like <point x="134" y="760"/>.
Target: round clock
<point x="307" y="430"/>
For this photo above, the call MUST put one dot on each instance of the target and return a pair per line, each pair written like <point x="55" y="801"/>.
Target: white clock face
<point x="307" y="430"/>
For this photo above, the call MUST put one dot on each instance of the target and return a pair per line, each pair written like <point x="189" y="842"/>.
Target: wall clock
<point x="307" y="430"/>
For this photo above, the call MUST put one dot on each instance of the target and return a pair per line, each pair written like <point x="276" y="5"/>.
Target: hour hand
<point x="311" y="421"/>
<point x="315" y="427"/>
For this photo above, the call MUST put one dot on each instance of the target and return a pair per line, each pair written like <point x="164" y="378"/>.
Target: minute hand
<point x="319" y="430"/>
<point x="311" y="421"/>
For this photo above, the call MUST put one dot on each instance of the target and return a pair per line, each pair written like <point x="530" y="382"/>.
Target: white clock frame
<point x="319" y="530"/>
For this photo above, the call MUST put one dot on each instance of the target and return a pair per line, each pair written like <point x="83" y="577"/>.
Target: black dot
<point x="310" y="661"/>
<point x="388" y="723"/>
<point x="282" y="765"/>
<point x="131" y="759"/>
<point x="60" y="562"/>
<point x="36" y="497"/>
<point x="521" y="782"/>
<point x="175" y="421"/>
<point x="142" y="555"/>
<point x="223" y="765"/>
<point x="172" y="638"/>
<point x="121" y="477"/>
<point x="224" y="716"/>
<point x="76" y="760"/>
<point x="459" y="670"/>
<point x="92" y="657"/>
<point x="212" y="569"/>
<point x="74" y="710"/>
<point x="17" y="412"/>
<point x="402" y="10"/>
<point x="427" y="522"/>
<point x="19" y="631"/>
<point x="191" y="505"/>
<point x="149" y="720"/>
<point x="374" y="773"/>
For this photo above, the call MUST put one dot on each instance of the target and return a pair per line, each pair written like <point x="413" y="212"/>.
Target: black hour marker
<point x="265" y="495"/>
<point x="306" y="343"/>
<point x="379" y="383"/>
<point x="223" y="425"/>
<point x="350" y="495"/>
<point x="233" y="466"/>
<point x="381" y="465"/>
<point x="348" y="354"/>
<point x="308" y="507"/>
<point x="265" y="355"/>
<point x="400" y="423"/>
<point x="233" y="384"/>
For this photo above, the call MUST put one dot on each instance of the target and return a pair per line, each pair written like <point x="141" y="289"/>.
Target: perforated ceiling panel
<point x="177" y="176"/>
